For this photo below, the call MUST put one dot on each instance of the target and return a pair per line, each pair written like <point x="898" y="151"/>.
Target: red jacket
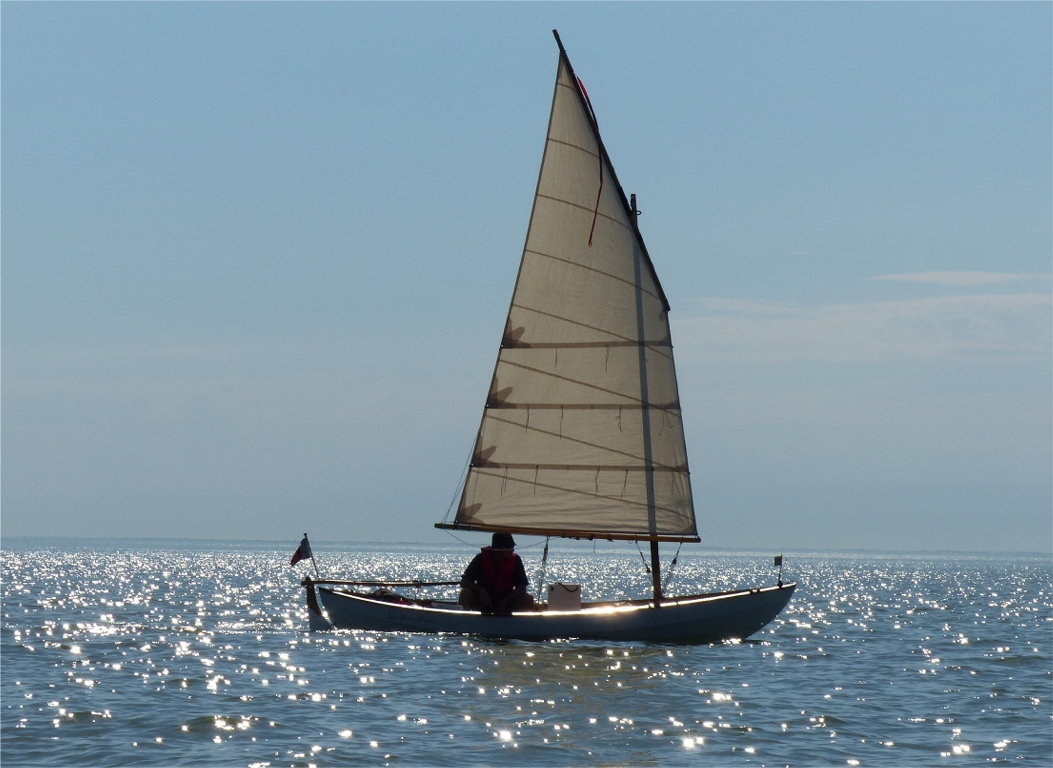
<point x="496" y="578"/>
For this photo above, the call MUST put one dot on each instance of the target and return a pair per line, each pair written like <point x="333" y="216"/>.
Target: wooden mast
<point x="656" y="578"/>
<point x="656" y="573"/>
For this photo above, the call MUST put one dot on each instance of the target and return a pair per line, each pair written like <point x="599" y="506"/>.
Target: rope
<point x="645" y="565"/>
<point x="457" y="490"/>
<point x="519" y="547"/>
<point x="451" y="534"/>
<point x="541" y="576"/>
<point x="672" y="565"/>
<point x="599" y="152"/>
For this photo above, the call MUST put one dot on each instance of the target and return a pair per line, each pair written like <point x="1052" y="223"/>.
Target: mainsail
<point x="582" y="434"/>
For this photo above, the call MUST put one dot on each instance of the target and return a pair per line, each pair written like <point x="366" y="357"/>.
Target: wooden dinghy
<point x="692" y="619"/>
<point x="581" y="435"/>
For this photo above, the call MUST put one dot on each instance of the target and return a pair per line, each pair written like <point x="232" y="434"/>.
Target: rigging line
<point x="599" y="152"/>
<point x="645" y="565"/>
<point x="672" y="565"/>
<point x="460" y="483"/>
<point x="450" y="533"/>
<point x="544" y="561"/>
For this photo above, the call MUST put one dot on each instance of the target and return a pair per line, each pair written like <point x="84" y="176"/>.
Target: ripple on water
<point x="157" y="656"/>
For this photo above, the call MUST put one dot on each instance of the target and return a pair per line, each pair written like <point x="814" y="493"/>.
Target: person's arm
<point x="469" y="579"/>
<point x="521" y="582"/>
<point x="520" y="578"/>
<point x="470" y="582"/>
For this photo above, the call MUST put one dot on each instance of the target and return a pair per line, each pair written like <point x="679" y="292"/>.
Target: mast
<point x="656" y="577"/>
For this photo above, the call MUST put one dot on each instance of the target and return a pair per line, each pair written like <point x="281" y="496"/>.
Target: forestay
<point x="582" y="432"/>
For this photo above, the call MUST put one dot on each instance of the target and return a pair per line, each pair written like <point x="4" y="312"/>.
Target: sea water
<point x="148" y="653"/>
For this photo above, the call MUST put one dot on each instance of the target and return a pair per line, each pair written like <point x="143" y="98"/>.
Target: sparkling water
<point x="151" y="653"/>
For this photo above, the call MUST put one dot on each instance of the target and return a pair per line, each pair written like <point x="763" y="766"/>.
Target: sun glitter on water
<point x="158" y="656"/>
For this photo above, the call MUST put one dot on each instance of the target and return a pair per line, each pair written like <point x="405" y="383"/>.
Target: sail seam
<point x="586" y="150"/>
<point x="574" y="322"/>
<point x="582" y="344"/>
<point x="590" y="327"/>
<point x="673" y="407"/>
<point x="591" y="269"/>
<point x="576" y="467"/>
<point x="584" y="493"/>
<point x="488" y="415"/>
<point x="582" y="207"/>
<point x="572" y="381"/>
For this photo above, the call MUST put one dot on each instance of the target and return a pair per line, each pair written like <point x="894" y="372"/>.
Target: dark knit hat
<point x="502" y="541"/>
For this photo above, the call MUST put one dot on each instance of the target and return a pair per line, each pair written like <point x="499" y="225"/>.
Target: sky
<point x="256" y="259"/>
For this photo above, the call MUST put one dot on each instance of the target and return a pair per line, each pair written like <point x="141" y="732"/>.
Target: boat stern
<point x="316" y="617"/>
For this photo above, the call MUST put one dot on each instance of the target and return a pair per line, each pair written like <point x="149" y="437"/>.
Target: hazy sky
<point x="256" y="259"/>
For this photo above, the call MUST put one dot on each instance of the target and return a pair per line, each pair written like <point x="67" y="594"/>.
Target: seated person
<point x="495" y="581"/>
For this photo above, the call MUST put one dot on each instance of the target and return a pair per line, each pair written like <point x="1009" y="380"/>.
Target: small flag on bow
<point x="303" y="552"/>
<point x="778" y="558"/>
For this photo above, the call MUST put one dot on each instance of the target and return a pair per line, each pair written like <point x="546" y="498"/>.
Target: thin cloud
<point x="963" y="327"/>
<point x="956" y="278"/>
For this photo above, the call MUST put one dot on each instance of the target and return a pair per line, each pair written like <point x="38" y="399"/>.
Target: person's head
<point x="502" y="545"/>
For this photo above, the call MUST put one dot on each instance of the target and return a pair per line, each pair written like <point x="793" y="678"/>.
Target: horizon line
<point x="336" y="544"/>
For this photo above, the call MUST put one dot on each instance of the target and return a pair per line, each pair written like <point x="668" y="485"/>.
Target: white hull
<point x="695" y="619"/>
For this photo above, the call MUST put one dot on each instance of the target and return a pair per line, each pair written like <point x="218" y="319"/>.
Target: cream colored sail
<point x="582" y="434"/>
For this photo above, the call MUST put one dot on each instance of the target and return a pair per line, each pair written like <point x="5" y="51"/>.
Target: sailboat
<point x="581" y="435"/>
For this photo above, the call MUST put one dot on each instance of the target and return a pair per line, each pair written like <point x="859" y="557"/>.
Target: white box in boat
<point x="564" y="597"/>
